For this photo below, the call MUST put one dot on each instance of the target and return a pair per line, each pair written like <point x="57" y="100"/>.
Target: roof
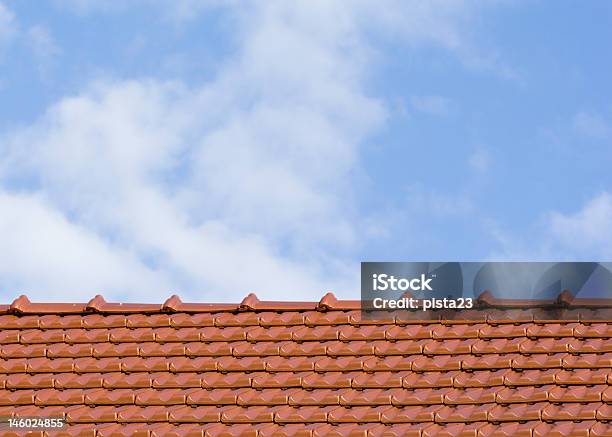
<point x="304" y="369"/>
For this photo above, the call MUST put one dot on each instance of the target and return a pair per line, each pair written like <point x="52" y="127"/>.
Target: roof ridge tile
<point x="327" y="302"/>
<point x="173" y="303"/>
<point x="97" y="304"/>
<point x="249" y="303"/>
<point x="565" y="301"/>
<point x="21" y="304"/>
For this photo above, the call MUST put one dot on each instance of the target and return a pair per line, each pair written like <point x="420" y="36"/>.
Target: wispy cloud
<point x="433" y="105"/>
<point x="8" y="24"/>
<point x="592" y="125"/>
<point x="439" y="204"/>
<point x="587" y="231"/>
<point x="42" y="42"/>
<point x="43" y="46"/>
<point x="480" y="160"/>
<point x="584" y="234"/>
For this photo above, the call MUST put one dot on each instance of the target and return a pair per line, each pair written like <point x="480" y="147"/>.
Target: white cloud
<point x="582" y="235"/>
<point x="588" y="231"/>
<point x="8" y="24"/>
<point x="438" y="204"/>
<point x="236" y="185"/>
<point x="45" y="254"/>
<point x="592" y="125"/>
<point x="104" y="159"/>
<point x="440" y="22"/>
<point x="90" y="6"/>
<point x="480" y="160"/>
<point x="42" y="43"/>
<point x="175" y="9"/>
<point x="37" y="39"/>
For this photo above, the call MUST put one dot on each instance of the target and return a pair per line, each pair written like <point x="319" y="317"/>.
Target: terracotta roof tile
<point x="388" y="363"/>
<point x="414" y="380"/>
<point x="583" y="377"/>
<point x="289" y="364"/>
<point x="410" y="414"/>
<point x="492" y="361"/>
<point x="76" y="336"/>
<point x="272" y="333"/>
<point x="439" y="363"/>
<point x="313" y="318"/>
<point x="497" y="345"/>
<point x="386" y="348"/>
<point x="338" y="348"/>
<point x="509" y="429"/>
<point x="517" y="412"/>
<point x="452" y="430"/>
<point x="352" y="398"/>
<point x="72" y="380"/>
<point x="51" y="396"/>
<point x="403" y="429"/>
<point x="596" y="345"/>
<point x="565" y="428"/>
<point x="599" y="429"/>
<point x="606" y="395"/>
<point x="604" y="413"/>
<point x="305" y="369"/>
<point x="97" y="321"/>
<point x="530" y="377"/>
<point x="104" y="350"/>
<point x="448" y="347"/>
<point x="208" y="349"/>
<point x="109" y="397"/>
<point x="181" y="364"/>
<point x="63" y="350"/>
<point x="20" y="351"/>
<point x="125" y="380"/>
<point x="476" y="395"/>
<point x="262" y="380"/>
<point x="186" y="320"/>
<point x="588" y="361"/>
<point x="60" y="322"/>
<point x="573" y="411"/>
<point x="25" y="381"/>
<point x="21" y="322"/>
<point x="241" y="319"/>
<point x="331" y="380"/>
<point x="316" y="397"/>
<point x="523" y="394"/>
<point x="463" y="414"/>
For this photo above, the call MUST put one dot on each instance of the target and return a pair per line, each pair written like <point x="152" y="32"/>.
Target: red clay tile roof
<point x="303" y="369"/>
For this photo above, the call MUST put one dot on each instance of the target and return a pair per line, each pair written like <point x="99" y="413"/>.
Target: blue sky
<point x="212" y="149"/>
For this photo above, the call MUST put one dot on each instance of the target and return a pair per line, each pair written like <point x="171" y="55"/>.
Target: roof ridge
<point x="329" y="302"/>
<point x="565" y="299"/>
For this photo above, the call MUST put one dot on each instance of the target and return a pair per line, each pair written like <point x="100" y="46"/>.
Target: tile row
<point x="385" y="414"/>
<point x="302" y="333"/>
<point x="587" y="428"/>
<point x="518" y="345"/>
<point x="416" y="363"/>
<point x="18" y="385"/>
<point x="421" y="328"/>
<point x="300" y="397"/>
